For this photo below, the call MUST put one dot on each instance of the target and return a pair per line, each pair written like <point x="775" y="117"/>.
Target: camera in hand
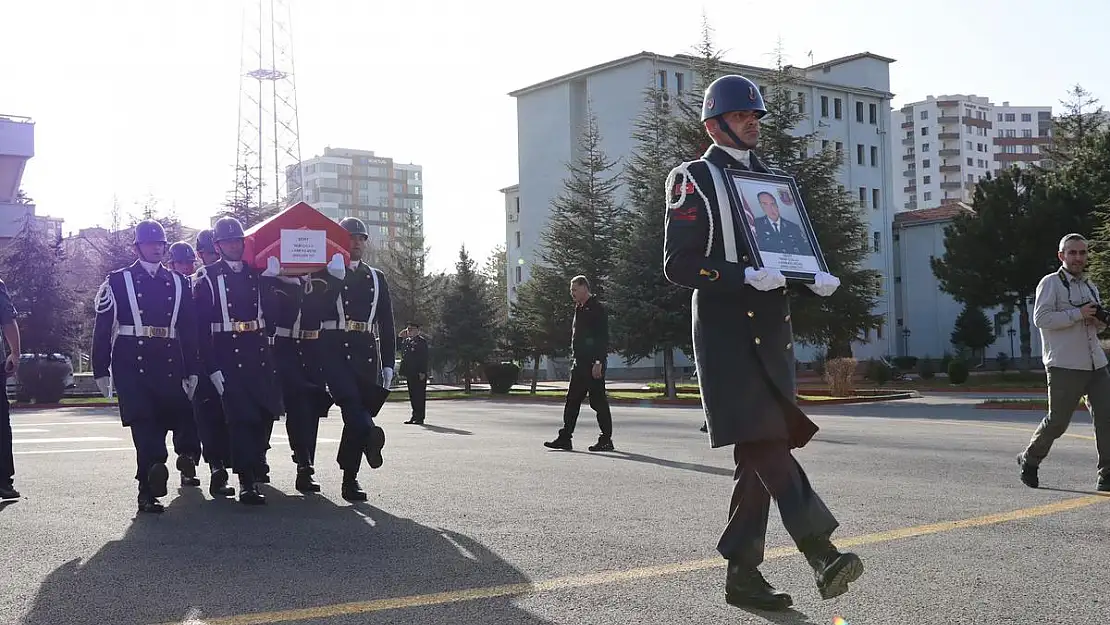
<point x="1101" y="313"/>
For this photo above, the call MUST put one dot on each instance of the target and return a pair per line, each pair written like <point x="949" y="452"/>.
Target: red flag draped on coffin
<point x="302" y="238"/>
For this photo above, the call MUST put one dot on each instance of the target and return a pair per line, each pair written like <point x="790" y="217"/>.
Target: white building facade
<point x="846" y="102"/>
<point x="947" y="144"/>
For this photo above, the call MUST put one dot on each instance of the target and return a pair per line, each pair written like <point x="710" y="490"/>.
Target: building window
<point x="517" y="274"/>
<point x="926" y="179"/>
<point x="873" y="114"/>
<point x="928" y="195"/>
<point x="1026" y="117"/>
<point x="876" y="239"/>
<point x="662" y="80"/>
<point x="925" y="164"/>
<point x="518" y="238"/>
<point x="1010" y="117"/>
<point x="1027" y="133"/>
<point x="840" y="149"/>
<point x="874" y="156"/>
<point x="824" y="106"/>
<point x="824" y="144"/>
<point x="924" y="114"/>
<point x="924" y="131"/>
<point x="679" y="82"/>
<point x="875" y="199"/>
<point x="859" y="112"/>
<point x="924" y="147"/>
<point x="838" y="108"/>
<point x="801" y="103"/>
<point x="863" y="197"/>
<point x="859" y="154"/>
<point x="969" y="161"/>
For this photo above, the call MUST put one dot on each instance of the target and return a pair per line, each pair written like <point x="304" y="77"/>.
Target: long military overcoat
<point x="743" y="337"/>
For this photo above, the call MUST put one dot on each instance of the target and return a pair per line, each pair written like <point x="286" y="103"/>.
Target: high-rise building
<point x="357" y="183"/>
<point x="947" y="144"/>
<point x="846" y="102"/>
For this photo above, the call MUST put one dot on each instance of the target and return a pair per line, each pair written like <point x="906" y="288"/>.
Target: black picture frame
<point x="794" y="249"/>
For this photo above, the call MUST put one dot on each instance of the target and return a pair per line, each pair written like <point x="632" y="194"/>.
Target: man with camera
<point x="1069" y="314"/>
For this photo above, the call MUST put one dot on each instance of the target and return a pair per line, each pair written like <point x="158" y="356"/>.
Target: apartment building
<point x="947" y="144"/>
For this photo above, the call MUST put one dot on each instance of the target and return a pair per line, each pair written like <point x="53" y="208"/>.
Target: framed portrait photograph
<point x="775" y="224"/>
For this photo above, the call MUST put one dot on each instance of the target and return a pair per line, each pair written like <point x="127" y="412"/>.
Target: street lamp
<point x="1011" y="332"/>
<point x="906" y="342"/>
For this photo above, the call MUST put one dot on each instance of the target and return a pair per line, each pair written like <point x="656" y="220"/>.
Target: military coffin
<point x="302" y="238"/>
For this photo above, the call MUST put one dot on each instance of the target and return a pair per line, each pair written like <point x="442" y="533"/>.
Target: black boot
<point x="148" y="503"/>
<point x="1103" y="484"/>
<point x="561" y="442"/>
<point x="188" y="468"/>
<point x="745" y="587"/>
<point x="604" y="443"/>
<point x="1028" y="473"/>
<point x="248" y="492"/>
<point x="832" y="570"/>
<point x="351" y="489"/>
<point x="8" y="491"/>
<point x="156" y="479"/>
<point x="375" y="441"/>
<point x="217" y="485"/>
<point x="305" y="483"/>
<point x="262" y="474"/>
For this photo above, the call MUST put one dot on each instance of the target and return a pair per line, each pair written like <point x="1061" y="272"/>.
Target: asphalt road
<point x="472" y="520"/>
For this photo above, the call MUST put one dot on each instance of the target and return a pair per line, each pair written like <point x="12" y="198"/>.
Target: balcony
<point x="949" y="186"/>
<point x="908" y="124"/>
<point x="944" y="136"/>
<point x="948" y="119"/>
<point x="949" y="152"/>
<point x="1022" y="140"/>
<point x="909" y="173"/>
<point x="907" y="141"/>
<point x="909" y="157"/>
<point x="17" y="146"/>
<point x="910" y="206"/>
<point x="910" y="189"/>
<point x="948" y="169"/>
<point x="975" y="121"/>
<point x="1010" y="157"/>
<point x="947" y="104"/>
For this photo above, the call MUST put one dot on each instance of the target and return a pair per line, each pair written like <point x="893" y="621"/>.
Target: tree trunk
<point x="668" y="372"/>
<point x="839" y="349"/>
<point x="466" y="379"/>
<point x="535" y="372"/>
<point x="1023" y="325"/>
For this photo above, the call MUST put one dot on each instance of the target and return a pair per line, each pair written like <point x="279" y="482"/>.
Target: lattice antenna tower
<point x="268" y="154"/>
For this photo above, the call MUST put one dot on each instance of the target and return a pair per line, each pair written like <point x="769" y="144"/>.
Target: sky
<point x="138" y="99"/>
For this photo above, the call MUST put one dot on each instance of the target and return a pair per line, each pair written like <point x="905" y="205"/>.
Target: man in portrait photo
<point x="774" y="233"/>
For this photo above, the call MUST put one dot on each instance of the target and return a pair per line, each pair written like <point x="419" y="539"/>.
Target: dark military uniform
<point x="414" y="367"/>
<point x="361" y="316"/>
<point x="295" y="311"/>
<point x="589" y="346"/>
<point x="7" y="458"/>
<point x="233" y="341"/>
<point x="744" y="352"/>
<point x="154" y="349"/>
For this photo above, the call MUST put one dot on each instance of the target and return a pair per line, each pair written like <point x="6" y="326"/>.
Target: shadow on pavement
<point x="686" y="466"/>
<point x="445" y="430"/>
<point x="786" y="617"/>
<point x="209" y="559"/>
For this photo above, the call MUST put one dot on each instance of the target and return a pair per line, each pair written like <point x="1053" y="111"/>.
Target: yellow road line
<point x="612" y="577"/>
<point x="1028" y="430"/>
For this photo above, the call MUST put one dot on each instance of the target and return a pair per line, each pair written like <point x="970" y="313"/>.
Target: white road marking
<point x="70" y="423"/>
<point x="27" y="431"/>
<point x="70" y="451"/>
<point x="77" y="439"/>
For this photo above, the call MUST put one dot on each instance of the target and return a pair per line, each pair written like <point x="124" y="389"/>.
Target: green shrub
<point x="42" y="380"/>
<point x="925" y="369"/>
<point x="878" y="372"/>
<point x="502" y="376"/>
<point x="957" y="371"/>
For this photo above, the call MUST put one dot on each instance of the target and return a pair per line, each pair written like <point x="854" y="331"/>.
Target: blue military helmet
<point x="205" y="243"/>
<point x="227" y="228"/>
<point x="354" y="225"/>
<point x="149" y="231"/>
<point x="731" y="93"/>
<point x="182" y="252"/>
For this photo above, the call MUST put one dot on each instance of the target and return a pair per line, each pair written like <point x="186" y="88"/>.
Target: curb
<point x="1022" y="406"/>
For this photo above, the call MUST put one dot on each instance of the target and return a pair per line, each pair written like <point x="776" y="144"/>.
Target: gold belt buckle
<point x="158" y="333"/>
<point x="357" y="326"/>
<point x="310" y="334"/>
<point x="244" y="326"/>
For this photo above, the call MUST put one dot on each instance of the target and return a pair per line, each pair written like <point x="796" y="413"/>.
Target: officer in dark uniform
<point x="295" y="307"/>
<point x="153" y="359"/>
<point x="414" y="368"/>
<point x="589" y="351"/>
<point x="357" y="367"/>
<point x="10" y="367"/>
<point x="208" y="411"/>
<point x="744" y="351"/>
<point x="236" y="354"/>
<point x="186" y="440"/>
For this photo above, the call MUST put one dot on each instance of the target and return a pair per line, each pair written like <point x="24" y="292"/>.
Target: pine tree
<point x="496" y="273"/>
<point x="47" y="310"/>
<point x="405" y="260"/>
<point x="1083" y="185"/>
<point x="583" y="228"/>
<point x="650" y="314"/>
<point x="242" y="202"/>
<point x="972" y="330"/>
<point x="540" y="322"/>
<point x="1083" y="117"/>
<point x="836" y="218"/>
<point x="466" y="334"/>
<point x="690" y="138"/>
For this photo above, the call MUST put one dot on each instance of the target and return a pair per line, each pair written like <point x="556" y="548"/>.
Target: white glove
<point x="336" y="268"/>
<point x="387" y="377"/>
<point x="189" y="384"/>
<point x="825" y="284"/>
<point x="273" y="267"/>
<point x="218" y="381"/>
<point x="105" y="386"/>
<point x="766" y="279"/>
